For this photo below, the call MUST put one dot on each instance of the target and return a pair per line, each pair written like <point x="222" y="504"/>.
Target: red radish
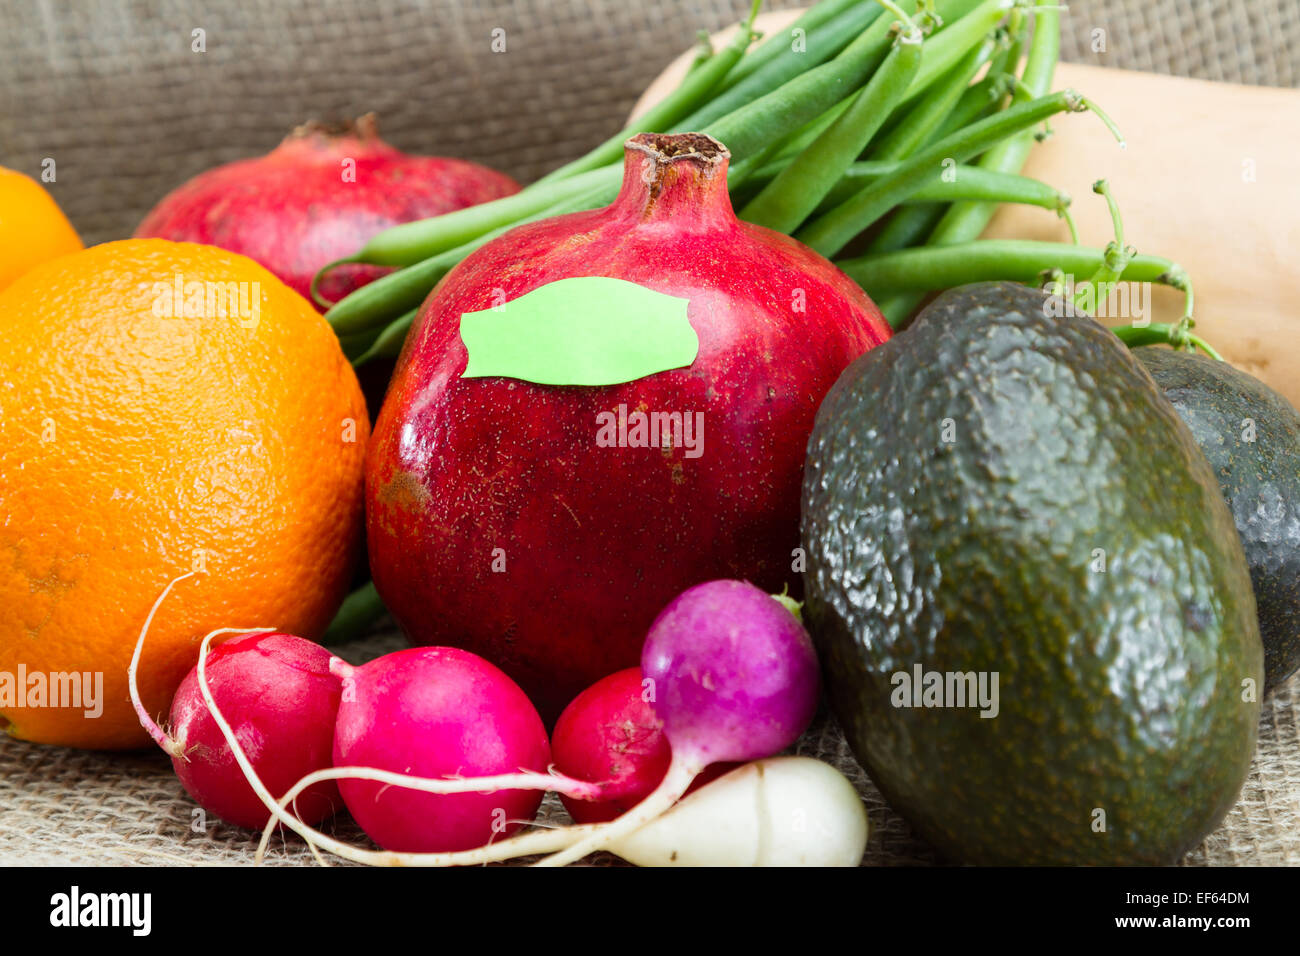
<point x="610" y="732"/>
<point x="316" y="198"/>
<point x="281" y="698"/>
<point x="610" y="735"/>
<point x="428" y="712"/>
<point x="493" y="515"/>
<point x="733" y="677"/>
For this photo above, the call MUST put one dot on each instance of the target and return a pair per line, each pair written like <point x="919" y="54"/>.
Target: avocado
<point x="1251" y="436"/>
<point x="1033" y="612"/>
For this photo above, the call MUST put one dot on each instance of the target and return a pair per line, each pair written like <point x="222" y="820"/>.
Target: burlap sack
<point x="115" y="93"/>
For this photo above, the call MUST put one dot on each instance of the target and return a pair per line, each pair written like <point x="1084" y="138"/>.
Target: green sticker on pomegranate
<point x="591" y="330"/>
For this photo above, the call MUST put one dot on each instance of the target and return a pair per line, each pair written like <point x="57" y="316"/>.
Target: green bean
<point x="917" y="125"/>
<point x="388" y="299"/>
<point x="967" y="220"/>
<point x="748" y="130"/>
<point x="356" y="342"/>
<point x="821" y="44"/>
<point x="389" y="341"/>
<point x="360" y="609"/>
<point x="908" y="226"/>
<point x="977" y="102"/>
<point x="962" y="182"/>
<point x="828" y="234"/>
<point x="816" y="16"/>
<point x="896" y="307"/>
<point x="688" y="95"/>
<point x="413" y="242"/>
<point x="788" y="147"/>
<point x="799" y="188"/>
<point x="380" y="302"/>
<point x="927" y="268"/>
<point x="949" y="45"/>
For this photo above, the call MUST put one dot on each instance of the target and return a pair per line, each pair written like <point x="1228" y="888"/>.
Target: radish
<point x="610" y="735"/>
<point x="316" y="198"/>
<point x="436" y="711"/>
<point x="782" y="811"/>
<point x="282" y="697"/>
<point x="732" y="676"/>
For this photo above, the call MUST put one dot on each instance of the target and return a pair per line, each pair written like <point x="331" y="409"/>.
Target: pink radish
<point x="734" y="678"/>
<point x="282" y="699"/>
<point x="436" y="711"/>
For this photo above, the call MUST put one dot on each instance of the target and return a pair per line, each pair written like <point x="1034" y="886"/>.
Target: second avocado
<point x="999" y="493"/>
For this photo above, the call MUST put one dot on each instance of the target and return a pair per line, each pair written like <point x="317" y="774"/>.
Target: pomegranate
<point x="316" y="198"/>
<point x="499" y="523"/>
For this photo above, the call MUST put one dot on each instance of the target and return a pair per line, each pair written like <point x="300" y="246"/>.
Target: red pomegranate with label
<point x="543" y="526"/>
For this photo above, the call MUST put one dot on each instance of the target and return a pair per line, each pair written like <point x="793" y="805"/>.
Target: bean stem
<point x="1178" y="334"/>
<point x="1116" y="255"/>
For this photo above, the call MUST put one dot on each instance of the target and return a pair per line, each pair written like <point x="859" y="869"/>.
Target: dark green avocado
<point x="997" y="494"/>
<point x="1251" y="436"/>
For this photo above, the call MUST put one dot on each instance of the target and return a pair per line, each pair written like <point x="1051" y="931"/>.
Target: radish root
<point x="172" y="747"/>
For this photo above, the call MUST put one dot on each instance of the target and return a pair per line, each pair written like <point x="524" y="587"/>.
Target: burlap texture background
<point x="114" y="94"/>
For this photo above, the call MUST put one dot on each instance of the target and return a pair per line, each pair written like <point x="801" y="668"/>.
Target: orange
<point x="164" y="407"/>
<point x="32" y="226"/>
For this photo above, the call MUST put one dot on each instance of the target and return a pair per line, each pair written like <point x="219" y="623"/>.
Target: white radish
<point x="782" y="811"/>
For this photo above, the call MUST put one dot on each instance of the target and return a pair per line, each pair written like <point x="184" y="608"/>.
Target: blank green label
<point x="590" y="330"/>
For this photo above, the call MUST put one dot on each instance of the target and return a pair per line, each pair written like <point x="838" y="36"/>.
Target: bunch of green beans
<point x="864" y="129"/>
